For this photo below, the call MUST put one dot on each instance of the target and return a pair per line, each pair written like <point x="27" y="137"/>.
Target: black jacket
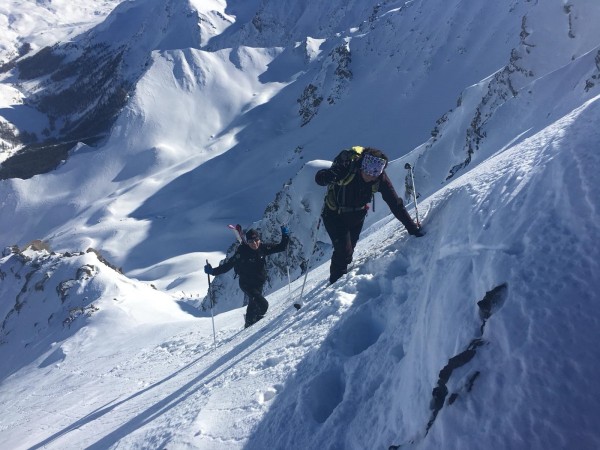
<point x="357" y="193"/>
<point x="250" y="264"/>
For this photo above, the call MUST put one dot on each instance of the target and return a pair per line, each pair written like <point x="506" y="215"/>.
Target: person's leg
<point x="257" y="304"/>
<point x="355" y="224"/>
<point x="262" y="305"/>
<point x="344" y="231"/>
<point x="342" y="245"/>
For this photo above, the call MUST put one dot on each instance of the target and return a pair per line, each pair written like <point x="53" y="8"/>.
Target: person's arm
<point x="396" y="204"/>
<point x="285" y="239"/>
<point x="338" y="170"/>
<point x="226" y="266"/>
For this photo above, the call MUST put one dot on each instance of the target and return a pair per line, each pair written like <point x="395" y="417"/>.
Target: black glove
<point x="208" y="269"/>
<point x="284" y="231"/>
<point x="324" y="176"/>
<point x="419" y="233"/>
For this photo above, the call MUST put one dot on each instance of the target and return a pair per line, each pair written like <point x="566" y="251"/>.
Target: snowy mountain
<point x="203" y="114"/>
<point x="81" y="86"/>
<point x="37" y="28"/>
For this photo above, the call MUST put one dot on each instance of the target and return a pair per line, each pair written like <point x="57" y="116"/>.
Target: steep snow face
<point x="481" y="333"/>
<point x="481" y="325"/>
<point x="552" y="70"/>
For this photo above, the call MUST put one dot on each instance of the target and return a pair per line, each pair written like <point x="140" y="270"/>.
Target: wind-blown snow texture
<point x="483" y="333"/>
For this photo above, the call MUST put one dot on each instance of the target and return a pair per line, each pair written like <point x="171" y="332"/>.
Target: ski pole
<point x="408" y="167"/>
<point x="211" y="308"/>
<point x="287" y="266"/>
<point x="287" y="247"/>
<point x="298" y="304"/>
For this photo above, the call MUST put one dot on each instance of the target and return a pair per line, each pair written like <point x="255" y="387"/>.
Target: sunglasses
<point x="252" y="241"/>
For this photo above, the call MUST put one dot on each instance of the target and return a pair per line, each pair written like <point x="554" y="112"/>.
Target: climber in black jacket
<point x="250" y="265"/>
<point x="352" y="180"/>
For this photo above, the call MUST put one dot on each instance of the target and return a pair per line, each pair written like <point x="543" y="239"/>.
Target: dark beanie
<point x="252" y="234"/>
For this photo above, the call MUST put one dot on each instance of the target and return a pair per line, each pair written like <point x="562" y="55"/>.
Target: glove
<point x="324" y="176"/>
<point x="208" y="269"/>
<point x="285" y="231"/>
<point x="419" y="233"/>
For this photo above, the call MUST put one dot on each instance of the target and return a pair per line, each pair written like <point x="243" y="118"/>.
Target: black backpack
<point x="351" y="160"/>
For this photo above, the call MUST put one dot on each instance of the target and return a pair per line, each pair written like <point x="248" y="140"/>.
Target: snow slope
<point x="495" y="304"/>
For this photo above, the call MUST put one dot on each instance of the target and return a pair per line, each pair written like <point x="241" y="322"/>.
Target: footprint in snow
<point x="324" y="393"/>
<point x="271" y="362"/>
<point x="269" y="394"/>
<point x="356" y="334"/>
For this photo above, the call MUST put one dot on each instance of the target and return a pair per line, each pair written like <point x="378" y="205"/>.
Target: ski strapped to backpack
<point x="336" y="192"/>
<point x="237" y="231"/>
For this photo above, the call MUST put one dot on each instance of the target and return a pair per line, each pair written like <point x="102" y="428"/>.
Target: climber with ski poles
<point x="249" y="264"/>
<point x="352" y="180"/>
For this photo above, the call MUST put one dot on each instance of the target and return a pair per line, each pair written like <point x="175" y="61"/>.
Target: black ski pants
<point x="344" y="230"/>
<point x="257" y="304"/>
